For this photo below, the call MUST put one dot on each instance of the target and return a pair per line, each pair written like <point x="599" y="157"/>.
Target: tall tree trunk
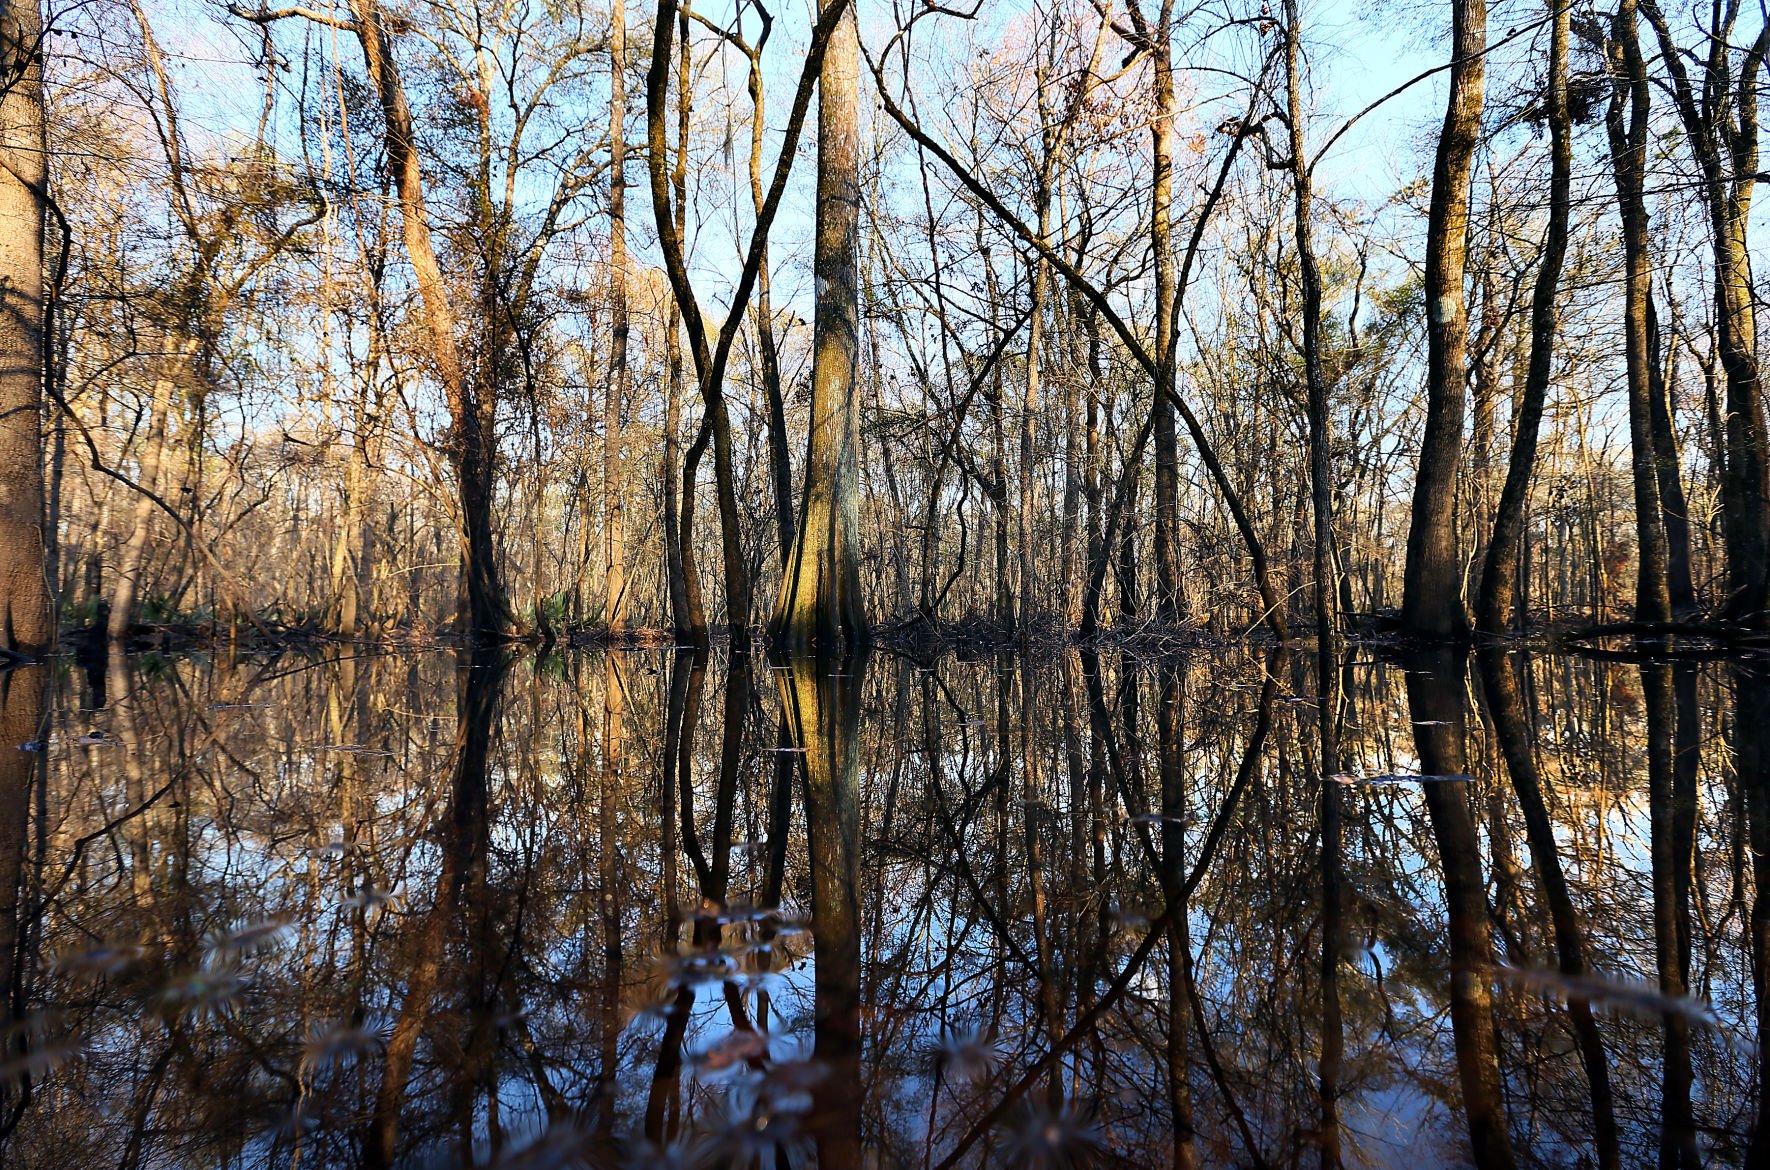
<point x="26" y="624"/>
<point x="1167" y="444"/>
<point x="1628" y="155"/>
<point x="1321" y="482"/>
<point x="1432" y="602"/>
<point x="1721" y="128"/>
<point x="614" y="536"/>
<point x="1499" y="577"/>
<point x="684" y="604"/>
<point x="471" y="445"/>
<point x="780" y="461"/>
<point x="820" y="603"/>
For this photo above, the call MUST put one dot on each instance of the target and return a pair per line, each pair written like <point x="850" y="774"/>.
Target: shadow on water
<point x="641" y="909"/>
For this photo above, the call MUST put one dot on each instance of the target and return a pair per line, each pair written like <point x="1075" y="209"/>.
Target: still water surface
<point x="640" y="909"/>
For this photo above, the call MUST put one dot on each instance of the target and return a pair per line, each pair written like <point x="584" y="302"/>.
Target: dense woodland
<point x="475" y="327"/>
<point x="514" y="319"/>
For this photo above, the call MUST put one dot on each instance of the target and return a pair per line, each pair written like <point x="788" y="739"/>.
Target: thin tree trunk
<point x="1321" y="482"/>
<point x="1167" y="444"/>
<point x="1499" y="577"/>
<point x="1628" y="154"/>
<point x="1722" y="134"/>
<point x="614" y="536"/>
<point x="126" y="576"/>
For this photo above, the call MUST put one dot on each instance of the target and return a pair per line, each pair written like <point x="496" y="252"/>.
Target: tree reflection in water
<point x="636" y="909"/>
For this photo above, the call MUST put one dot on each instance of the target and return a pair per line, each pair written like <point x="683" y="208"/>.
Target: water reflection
<point x="653" y="909"/>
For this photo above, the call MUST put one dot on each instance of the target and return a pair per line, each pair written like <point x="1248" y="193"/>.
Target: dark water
<point x="636" y="909"/>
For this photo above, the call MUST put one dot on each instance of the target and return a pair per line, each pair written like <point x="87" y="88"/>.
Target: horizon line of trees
<point x="341" y="316"/>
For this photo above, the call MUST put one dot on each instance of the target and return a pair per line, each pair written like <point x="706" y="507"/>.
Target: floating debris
<point x="735" y="1048"/>
<point x="1393" y="778"/>
<point x="1635" y="997"/>
<point x="968" y="1055"/>
<point x="1061" y="1140"/>
<point x="329" y="1044"/>
<point x="251" y="937"/>
<point x="100" y="960"/>
<point x="367" y="898"/>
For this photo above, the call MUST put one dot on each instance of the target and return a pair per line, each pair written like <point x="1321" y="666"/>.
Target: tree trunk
<point x="126" y="577"/>
<point x="820" y="602"/>
<point x="1321" y="482"/>
<point x="27" y="627"/>
<point x="1722" y="132"/>
<point x="1499" y="577"/>
<point x="614" y="592"/>
<point x="1165" y="436"/>
<point x="1432" y="603"/>
<point x="485" y="610"/>
<point x="1628" y="154"/>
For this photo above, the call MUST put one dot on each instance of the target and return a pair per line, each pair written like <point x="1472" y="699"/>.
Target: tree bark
<point x="820" y="603"/>
<point x="485" y="610"/>
<point x="1628" y="155"/>
<point x="1432" y="602"/>
<point x="1499" y="577"/>
<point x="614" y="537"/>
<point x="27" y="627"/>
<point x="1722" y="131"/>
<point x="1166" y="436"/>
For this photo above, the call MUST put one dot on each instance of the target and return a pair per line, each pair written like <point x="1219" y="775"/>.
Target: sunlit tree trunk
<point x="26" y="624"/>
<point x="820" y="603"/>
<point x="1720" y="121"/>
<point x="1499" y="577"/>
<point x="1161" y="239"/>
<point x="485" y="610"/>
<point x="1321" y="484"/>
<point x="1432" y="600"/>
<point x="614" y="536"/>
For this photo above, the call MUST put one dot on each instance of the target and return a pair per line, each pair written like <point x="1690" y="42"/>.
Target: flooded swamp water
<point x="644" y="909"/>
